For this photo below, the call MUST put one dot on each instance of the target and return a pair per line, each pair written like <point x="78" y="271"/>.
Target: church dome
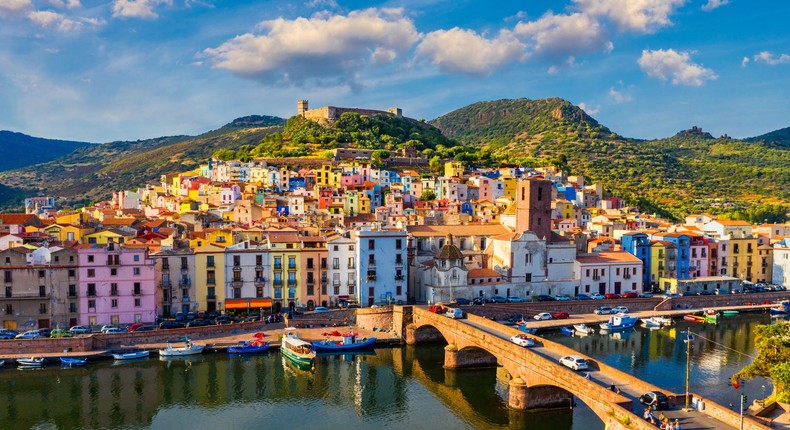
<point x="449" y="251"/>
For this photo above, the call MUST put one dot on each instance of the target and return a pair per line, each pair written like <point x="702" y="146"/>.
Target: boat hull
<point x="693" y="318"/>
<point x="583" y="328"/>
<point x="619" y="322"/>
<point x="323" y="346"/>
<point x="66" y="361"/>
<point x="181" y="352"/>
<point x="730" y="313"/>
<point x="31" y="362"/>
<point x="248" y="349"/>
<point x="566" y="331"/>
<point x="131" y="355"/>
<point x="302" y="360"/>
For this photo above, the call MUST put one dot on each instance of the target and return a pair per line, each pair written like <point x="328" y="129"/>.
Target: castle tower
<point x="533" y="207"/>
<point x="301" y="107"/>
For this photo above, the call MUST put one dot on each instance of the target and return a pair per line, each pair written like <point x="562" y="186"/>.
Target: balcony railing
<point x="596" y="278"/>
<point x="185" y="300"/>
<point x="184" y="282"/>
<point x="371" y="276"/>
<point x="278" y="282"/>
<point x="371" y="264"/>
<point x="398" y="277"/>
<point x="165" y="284"/>
<point x="211" y="296"/>
<point x="291" y="282"/>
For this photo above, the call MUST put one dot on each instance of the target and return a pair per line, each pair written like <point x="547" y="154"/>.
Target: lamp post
<point x="688" y="340"/>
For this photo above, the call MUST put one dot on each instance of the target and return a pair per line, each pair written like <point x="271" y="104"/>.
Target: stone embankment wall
<point x="698" y="302"/>
<point x="375" y="318"/>
<point x="502" y="311"/>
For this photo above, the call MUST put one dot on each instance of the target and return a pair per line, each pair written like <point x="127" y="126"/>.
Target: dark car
<point x="199" y="323"/>
<point x="514" y="319"/>
<point x="560" y="315"/>
<point x="631" y="295"/>
<point x="146" y="327"/>
<point x="546" y="298"/>
<point x="655" y="398"/>
<point x="462" y="301"/>
<point x="45" y="332"/>
<point x="705" y="293"/>
<point x="167" y="325"/>
<point x="479" y="301"/>
<point x="224" y="319"/>
<point x="645" y="295"/>
<point x="688" y="293"/>
<point x="611" y="296"/>
<point x="582" y="297"/>
<point x="498" y="299"/>
<point x="8" y="333"/>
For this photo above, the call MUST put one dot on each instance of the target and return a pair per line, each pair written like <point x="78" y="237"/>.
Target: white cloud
<point x="47" y="19"/>
<point x="326" y="4"/>
<point x="325" y="48"/>
<point x="643" y="16"/>
<point x="14" y="7"/>
<point x="568" y="63"/>
<point x="465" y="51"/>
<point x="44" y="18"/>
<point x="713" y="4"/>
<point x="144" y="9"/>
<point x="67" y="4"/>
<point x="564" y="34"/>
<point x="677" y="66"/>
<point x="590" y="111"/>
<point x="745" y="62"/>
<point x="620" y="93"/>
<point x="771" y="59"/>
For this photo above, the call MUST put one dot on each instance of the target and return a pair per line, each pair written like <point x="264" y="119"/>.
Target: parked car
<point x="574" y="362"/>
<point x="319" y="309"/>
<point x="454" y="313"/>
<point x="514" y="319"/>
<point x="560" y="315"/>
<point x="202" y="323"/>
<point x="30" y="334"/>
<point x="437" y="309"/>
<point x="705" y="293"/>
<point x="611" y="296"/>
<point x="620" y="310"/>
<point x="645" y="295"/>
<point x="603" y="310"/>
<point x="134" y="327"/>
<point x="8" y="333"/>
<point x="479" y="301"/>
<point x="146" y="327"/>
<point x="522" y="340"/>
<point x="498" y="299"/>
<point x="106" y="327"/>
<point x="250" y="318"/>
<point x="562" y="297"/>
<point x="582" y="297"/>
<point x="115" y="330"/>
<point x="546" y="298"/>
<point x="180" y="316"/>
<point x="597" y="296"/>
<point x="514" y="299"/>
<point x="631" y="295"/>
<point x="670" y="295"/>
<point x="190" y="316"/>
<point x="352" y="306"/>
<point x="223" y="319"/>
<point x="689" y="293"/>
<point x="59" y="333"/>
<point x="81" y="329"/>
<point x="542" y="316"/>
<point x="655" y="398"/>
<point x="462" y="301"/>
<point x="167" y="325"/>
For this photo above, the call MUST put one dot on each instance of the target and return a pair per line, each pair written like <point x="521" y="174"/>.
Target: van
<point x="454" y="313"/>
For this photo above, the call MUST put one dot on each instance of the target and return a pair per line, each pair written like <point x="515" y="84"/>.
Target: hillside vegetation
<point x="19" y="150"/>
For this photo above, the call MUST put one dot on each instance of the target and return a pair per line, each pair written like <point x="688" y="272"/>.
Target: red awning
<point x="247" y="303"/>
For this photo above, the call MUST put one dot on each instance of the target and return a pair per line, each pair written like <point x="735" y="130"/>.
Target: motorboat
<point x="566" y="331"/>
<point x="779" y="310"/>
<point x="247" y="347"/>
<point x="31" y="362"/>
<point x="711" y="316"/>
<point x="297" y="350"/>
<point x="730" y="313"/>
<point x="694" y="318"/>
<point x="350" y="342"/>
<point x="189" y="348"/>
<point x="619" y="321"/>
<point x="652" y="323"/>
<point x="131" y="355"/>
<point x="522" y="326"/>
<point x="583" y="328"/>
<point x="73" y="361"/>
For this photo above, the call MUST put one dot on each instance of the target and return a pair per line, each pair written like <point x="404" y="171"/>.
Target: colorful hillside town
<point x="232" y="236"/>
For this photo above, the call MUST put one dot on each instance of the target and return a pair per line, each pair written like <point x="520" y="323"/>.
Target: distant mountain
<point x="19" y="150"/>
<point x="95" y="171"/>
<point x="779" y="137"/>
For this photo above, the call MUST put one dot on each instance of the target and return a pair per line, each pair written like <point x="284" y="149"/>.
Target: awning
<point x="247" y="303"/>
<point x="342" y="297"/>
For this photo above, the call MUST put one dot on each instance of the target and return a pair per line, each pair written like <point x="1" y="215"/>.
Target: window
<point x="91" y="273"/>
<point x="398" y="290"/>
<point x="278" y="262"/>
<point x="528" y="258"/>
<point x="335" y="248"/>
<point x="136" y="271"/>
<point x="90" y="259"/>
<point x="371" y="244"/>
<point x="114" y="303"/>
<point x="113" y="272"/>
<point x="9" y="309"/>
<point x="292" y="262"/>
<point x="42" y="291"/>
<point x="398" y="243"/>
<point x="73" y="307"/>
<point x="7" y="275"/>
<point x="92" y="304"/>
<point x="350" y="247"/>
<point x="92" y="291"/>
<point x="8" y="260"/>
<point x="42" y="308"/>
<point x="236" y="260"/>
<point x="42" y="273"/>
<point x="335" y="263"/>
<point x="113" y="289"/>
<point x="72" y="273"/>
<point x="540" y="195"/>
<point x="237" y="293"/>
<point x="137" y="303"/>
<point x="136" y="258"/>
<point x="136" y="290"/>
<point x="350" y="262"/>
<point x="310" y="263"/>
<point x="210" y="260"/>
<point x="72" y="290"/>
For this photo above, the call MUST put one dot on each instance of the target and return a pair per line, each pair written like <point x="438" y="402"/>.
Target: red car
<point x="436" y="309"/>
<point x="611" y="296"/>
<point x="559" y="315"/>
<point x="631" y="295"/>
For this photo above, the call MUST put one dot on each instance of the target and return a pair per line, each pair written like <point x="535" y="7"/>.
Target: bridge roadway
<point x="539" y="381"/>
<point x="688" y="420"/>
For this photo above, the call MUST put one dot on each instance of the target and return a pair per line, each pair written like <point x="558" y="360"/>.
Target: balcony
<point x="278" y="267"/>
<point x="352" y="283"/>
<point x="209" y="264"/>
<point x="165" y="268"/>
<point x="211" y="281"/>
<point x="398" y="277"/>
<point x="211" y="297"/>
<point x="371" y="264"/>
<point x="627" y="275"/>
<point x="184" y="282"/>
<point x="398" y="263"/>
<point x="311" y="282"/>
<point x="371" y="277"/>
<point x="596" y="278"/>
<point x="336" y="283"/>
<point x="351" y="266"/>
<point x="291" y="282"/>
<point x="185" y="268"/>
<point x="185" y="300"/>
<point x="237" y="284"/>
<point x="165" y="284"/>
<point x="260" y="282"/>
<point x="278" y="282"/>
<point x="237" y="268"/>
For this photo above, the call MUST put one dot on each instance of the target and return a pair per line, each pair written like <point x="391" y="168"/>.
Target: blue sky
<point x="134" y="69"/>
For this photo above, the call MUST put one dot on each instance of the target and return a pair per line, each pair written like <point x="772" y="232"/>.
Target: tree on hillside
<point x="773" y="341"/>
<point x="428" y="195"/>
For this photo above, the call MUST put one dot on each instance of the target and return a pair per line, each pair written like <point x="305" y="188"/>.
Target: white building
<point x="615" y="272"/>
<point x="246" y="267"/>
<point x="382" y="273"/>
<point x="342" y="270"/>
<point x="781" y="265"/>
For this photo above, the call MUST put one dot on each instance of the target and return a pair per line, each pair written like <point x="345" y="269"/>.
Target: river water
<point x="400" y="388"/>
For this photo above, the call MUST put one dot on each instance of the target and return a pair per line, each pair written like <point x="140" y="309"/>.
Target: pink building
<point x="116" y="285"/>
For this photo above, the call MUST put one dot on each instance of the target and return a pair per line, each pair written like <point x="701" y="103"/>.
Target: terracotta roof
<point x="18" y="219"/>
<point x="457" y="230"/>
<point x="608" y="257"/>
<point x="483" y="273"/>
<point x="732" y="223"/>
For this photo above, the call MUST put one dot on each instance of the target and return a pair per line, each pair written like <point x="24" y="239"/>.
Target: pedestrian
<point x="619" y="391"/>
<point x="612" y="387"/>
<point x="677" y="424"/>
<point x="587" y="375"/>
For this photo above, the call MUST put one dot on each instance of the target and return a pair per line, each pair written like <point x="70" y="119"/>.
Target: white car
<point x="514" y="299"/>
<point x="562" y="297"/>
<point x="522" y="340"/>
<point x="321" y="309"/>
<point x="542" y="316"/>
<point x="107" y="327"/>
<point x="597" y="296"/>
<point x="620" y="310"/>
<point x="603" y="310"/>
<point x="574" y="362"/>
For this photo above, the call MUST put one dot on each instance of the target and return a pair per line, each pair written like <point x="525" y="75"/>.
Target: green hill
<point x="94" y="172"/>
<point x="19" y="150"/>
<point x="780" y="138"/>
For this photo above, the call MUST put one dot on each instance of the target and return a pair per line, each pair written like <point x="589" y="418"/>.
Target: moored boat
<point x="246" y="347"/>
<point x="2" y="363"/>
<point x="583" y="329"/>
<point x="31" y="362"/>
<point x="130" y="355"/>
<point x="297" y="350"/>
<point x="711" y="316"/>
<point x="652" y="323"/>
<point x="730" y="313"/>
<point x="350" y="342"/>
<point x="694" y="318"/>
<point x="189" y="348"/>
<point x="566" y="331"/>
<point x="523" y="327"/>
<point x="619" y="322"/>
<point x="779" y="310"/>
<point x="72" y="361"/>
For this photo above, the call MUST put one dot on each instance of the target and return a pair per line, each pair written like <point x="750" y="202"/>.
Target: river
<point x="400" y="388"/>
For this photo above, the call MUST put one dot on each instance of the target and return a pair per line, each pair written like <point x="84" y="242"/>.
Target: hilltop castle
<point x="332" y="113"/>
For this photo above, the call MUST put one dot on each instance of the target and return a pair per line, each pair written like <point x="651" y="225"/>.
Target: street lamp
<point x="687" y="340"/>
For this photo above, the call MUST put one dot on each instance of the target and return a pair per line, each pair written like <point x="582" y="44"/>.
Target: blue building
<point x="638" y="245"/>
<point x="683" y="242"/>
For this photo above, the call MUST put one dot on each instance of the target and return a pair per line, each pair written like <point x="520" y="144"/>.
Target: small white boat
<point x="656" y="322"/>
<point x="619" y="322"/>
<point x="189" y="348"/>
<point x="583" y="328"/>
<point x="31" y="362"/>
<point x="2" y="363"/>
<point x="297" y="350"/>
<point x="130" y="355"/>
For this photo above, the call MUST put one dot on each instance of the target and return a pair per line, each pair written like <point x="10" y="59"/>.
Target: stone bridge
<point x="537" y="381"/>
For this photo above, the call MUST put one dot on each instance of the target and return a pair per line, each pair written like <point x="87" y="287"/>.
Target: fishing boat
<point x="583" y="329"/>
<point x="694" y="318"/>
<point x="73" y="362"/>
<point x="189" y="348"/>
<point x="730" y="313"/>
<point x="297" y="350"/>
<point x="246" y="347"/>
<point x="652" y="323"/>
<point x="350" y="342"/>
<point x="620" y="321"/>
<point x="566" y="331"/>
<point x="522" y="325"/>
<point x="130" y="355"/>
<point x="779" y="310"/>
<point x="31" y="362"/>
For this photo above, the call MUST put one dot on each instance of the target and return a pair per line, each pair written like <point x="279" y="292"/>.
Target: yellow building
<point x="744" y="258"/>
<point x="364" y="204"/>
<point x="453" y="168"/>
<point x="106" y="236"/>
<point x="328" y="174"/>
<point x="663" y="265"/>
<point x="73" y="219"/>
<point x="286" y="268"/>
<point x="210" y="277"/>
<point x="510" y="187"/>
<point x="67" y="232"/>
<point x="565" y="208"/>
